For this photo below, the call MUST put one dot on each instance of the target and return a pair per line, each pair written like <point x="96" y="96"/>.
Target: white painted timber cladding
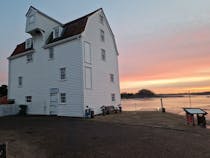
<point x="102" y="88"/>
<point x="42" y="74"/>
<point x="87" y="80"/>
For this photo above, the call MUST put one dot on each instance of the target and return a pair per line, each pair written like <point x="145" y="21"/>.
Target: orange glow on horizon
<point x="172" y="63"/>
<point x="177" y="85"/>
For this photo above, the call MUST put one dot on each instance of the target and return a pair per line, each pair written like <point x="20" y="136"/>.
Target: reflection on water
<point x="173" y="104"/>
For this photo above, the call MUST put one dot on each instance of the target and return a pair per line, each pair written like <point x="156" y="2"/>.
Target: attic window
<point x="102" y="36"/>
<point x="101" y="18"/>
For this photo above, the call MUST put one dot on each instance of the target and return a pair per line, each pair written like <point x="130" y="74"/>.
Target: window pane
<point x="113" y="96"/>
<point x="101" y="19"/>
<point x="62" y="73"/>
<point x="51" y="53"/>
<point x="103" y="54"/>
<point x="102" y="36"/>
<point x="63" y="97"/>
<point x="28" y="98"/>
<point x="29" y="58"/>
<point x="20" y="81"/>
<point x="112" y="77"/>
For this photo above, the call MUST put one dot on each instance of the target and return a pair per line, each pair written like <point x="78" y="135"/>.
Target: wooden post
<point x="193" y="120"/>
<point x="161" y="101"/>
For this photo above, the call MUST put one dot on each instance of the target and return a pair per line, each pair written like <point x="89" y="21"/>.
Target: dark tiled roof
<point x="20" y="48"/>
<point x="72" y="28"/>
<point x="69" y="29"/>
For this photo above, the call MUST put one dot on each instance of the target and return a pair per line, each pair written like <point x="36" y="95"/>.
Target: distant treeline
<point x="145" y="93"/>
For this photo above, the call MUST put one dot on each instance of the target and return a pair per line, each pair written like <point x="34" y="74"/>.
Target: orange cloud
<point x="184" y="54"/>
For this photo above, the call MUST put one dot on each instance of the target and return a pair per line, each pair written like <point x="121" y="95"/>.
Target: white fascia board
<point x="20" y="55"/>
<point x="62" y="41"/>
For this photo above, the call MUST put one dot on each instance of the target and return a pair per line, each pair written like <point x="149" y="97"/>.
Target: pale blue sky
<point x="132" y="22"/>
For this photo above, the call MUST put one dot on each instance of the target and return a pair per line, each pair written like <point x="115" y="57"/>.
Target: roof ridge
<point x="43" y="14"/>
<point x="87" y="15"/>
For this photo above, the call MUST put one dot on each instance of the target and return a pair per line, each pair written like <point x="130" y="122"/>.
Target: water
<point x="173" y="104"/>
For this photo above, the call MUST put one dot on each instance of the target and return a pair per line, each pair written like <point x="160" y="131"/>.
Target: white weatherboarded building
<point x="63" y="68"/>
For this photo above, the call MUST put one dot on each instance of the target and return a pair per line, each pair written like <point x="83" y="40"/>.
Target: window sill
<point x="63" y="80"/>
<point x="62" y="103"/>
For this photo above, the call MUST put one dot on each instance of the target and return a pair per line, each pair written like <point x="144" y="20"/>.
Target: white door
<point x="53" y="103"/>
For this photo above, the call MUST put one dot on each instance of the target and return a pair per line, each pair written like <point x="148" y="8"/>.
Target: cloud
<point x="177" y="55"/>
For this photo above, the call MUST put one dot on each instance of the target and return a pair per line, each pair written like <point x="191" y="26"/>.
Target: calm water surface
<point x="173" y="104"/>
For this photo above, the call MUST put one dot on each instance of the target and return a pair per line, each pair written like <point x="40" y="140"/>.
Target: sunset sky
<point x="164" y="45"/>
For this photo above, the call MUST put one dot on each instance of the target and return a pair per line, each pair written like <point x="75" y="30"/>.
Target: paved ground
<point x="130" y="134"/>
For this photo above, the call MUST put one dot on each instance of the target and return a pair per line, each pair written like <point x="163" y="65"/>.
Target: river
<point x="172" y="104"/>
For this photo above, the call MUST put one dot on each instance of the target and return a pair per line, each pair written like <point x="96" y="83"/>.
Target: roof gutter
<point x="21" y="54"/>
<point x="62" y="41"/>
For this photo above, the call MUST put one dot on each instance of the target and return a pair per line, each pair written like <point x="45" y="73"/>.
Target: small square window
<point x="51" y="53"/>
<point x="63" y="73"/>
<point x="101" y="18"/>
<point x="112" y="77"/>
<point x="102" y="35"/>
<point x="29" y="58"/>
<point x="63" y="97"/>
<point x="103" y="54"/>
<point x="113" y="96"/>
<point x="28" y="99"/>
<point x="20" y="81"/>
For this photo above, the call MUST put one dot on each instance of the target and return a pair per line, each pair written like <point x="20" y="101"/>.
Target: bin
<point x="92" y="114"/>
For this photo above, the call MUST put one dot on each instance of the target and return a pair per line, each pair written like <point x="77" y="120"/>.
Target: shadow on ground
<point x="129" y="134"/>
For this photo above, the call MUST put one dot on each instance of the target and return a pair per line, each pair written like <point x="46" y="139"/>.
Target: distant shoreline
<point x="165" y="96"/>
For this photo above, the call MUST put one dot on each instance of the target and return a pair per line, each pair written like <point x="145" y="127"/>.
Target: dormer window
<point x="28" y="43"/>
<point x="57" y="31"/>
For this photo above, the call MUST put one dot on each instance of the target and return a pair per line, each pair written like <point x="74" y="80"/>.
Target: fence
<point x="8" y="109"/>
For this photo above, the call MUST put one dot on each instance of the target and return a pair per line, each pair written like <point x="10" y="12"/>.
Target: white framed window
<point x="63" y="73"/>
<point x="51" y="53"/>
<point x="101" y="19"/>
<point x="113" y="97"/>
<point x="87" y="52"/>
<point x="63" y="98"/>
<point x="103" y="54"/>
<point x="29" y="58"/>
<point x="112" y="77"/>
<point x="20" y="81"/>
<point x="28" y="99"/>
<point x="102" y="35"/>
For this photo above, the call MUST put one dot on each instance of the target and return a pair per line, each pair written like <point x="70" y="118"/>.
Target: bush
<point x="23" y="110"/>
